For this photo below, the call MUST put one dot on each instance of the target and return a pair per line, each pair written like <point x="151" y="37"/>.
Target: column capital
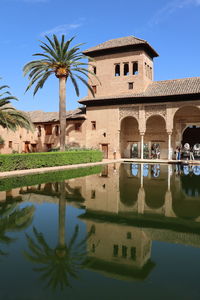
<point x="169" y="132"/>
<point x="142" y="133"/>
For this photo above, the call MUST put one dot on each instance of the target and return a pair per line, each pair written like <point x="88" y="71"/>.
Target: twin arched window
<point x="126" y="70"/>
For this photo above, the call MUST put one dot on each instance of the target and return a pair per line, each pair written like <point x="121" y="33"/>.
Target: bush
<point x="10" y="162"/>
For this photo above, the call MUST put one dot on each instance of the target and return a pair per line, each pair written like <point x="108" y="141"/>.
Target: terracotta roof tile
<point x="159" y="89"/>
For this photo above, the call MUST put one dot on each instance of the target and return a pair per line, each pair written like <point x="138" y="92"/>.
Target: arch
<point x="156" y="134"/>
<point x="184" y="117"/>
<point x="129" y="136"/>
<point x="126" y="69"/>
<point x="117" y="70"/>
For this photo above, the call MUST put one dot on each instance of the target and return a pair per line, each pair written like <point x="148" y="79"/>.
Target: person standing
<point x="191" y="154"/>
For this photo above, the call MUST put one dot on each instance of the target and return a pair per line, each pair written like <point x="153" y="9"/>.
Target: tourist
<point x="191" y="154"/>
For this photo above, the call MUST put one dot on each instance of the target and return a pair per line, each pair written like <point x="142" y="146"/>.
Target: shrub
<point x="10" y="162"/>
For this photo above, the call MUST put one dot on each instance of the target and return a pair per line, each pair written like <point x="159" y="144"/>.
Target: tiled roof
<point x="119" y="42"/>
<point x="185" y="86"/>
<point x="39" y="116"/>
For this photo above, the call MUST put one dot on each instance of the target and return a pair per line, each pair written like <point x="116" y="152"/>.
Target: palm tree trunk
<point x="62" y="111"/>
<point x="62" y="213"/>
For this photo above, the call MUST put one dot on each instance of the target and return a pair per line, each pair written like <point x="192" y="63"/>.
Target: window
<point x="135" y="68"/>
<point x="48" y="129"/>
<point x="126" y="69"/>
<point x="94" y="87"/>
<point x="57" y="130"/>
<point x="124" y="251"/>
<point x="77" y="126"/>
<point x="93" y="229"/>
<point x="39" y="131"/>
<point x="93" y="248"/>
<point x="115" y="250"/>
<point x="130" y="85"/>
<point x="117" y="70"/>
<point x="128" y="235"/>
<point x="151" y="73"/>
<point x="93" y="194"/>
<point x="10" y="144"/>
<point x="133" y="253"/>
<point x="94" y="70"/>
<point x="93" y="125"/>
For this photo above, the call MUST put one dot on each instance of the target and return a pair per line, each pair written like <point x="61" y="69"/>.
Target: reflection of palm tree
<point x="63" y="261"/>
<point x="13" y="219"/>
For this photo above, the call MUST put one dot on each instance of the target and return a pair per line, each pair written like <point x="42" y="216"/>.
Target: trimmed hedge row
<point x="10" y="162"/>
<point x="7" y="184"/>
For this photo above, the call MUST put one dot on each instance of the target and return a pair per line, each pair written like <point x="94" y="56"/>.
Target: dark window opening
<point x="124" y="251"/>
<point x="94" y="87"/>
<point x="93" y="194"/>
<point x="115" y="250"/>
<point x="10" y="144"/>
<point x="94" y="70"/>
<point x="48" y="129"/>
<point x="77" y="126"/>
<point x="57" y="130"/>
<point x="130" y="85"/>
<point x="93" y="125"/>
<point x="126" y="69"/>
<point x="93" y="229"/>
<point x="93" y="248"/>
<point x="128" y="235"/>
<point x="117" y="70"/>
<point x="133" y="253"/>
<point x="39" y="131"/>
<point x="104" y="134"/>
<point x="135" y="68"/>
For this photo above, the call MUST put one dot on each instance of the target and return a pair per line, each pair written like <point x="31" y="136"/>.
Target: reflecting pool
<point x="121" y="231"/>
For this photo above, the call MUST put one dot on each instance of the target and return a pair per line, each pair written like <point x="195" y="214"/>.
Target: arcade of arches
<point x="156" y="131"/>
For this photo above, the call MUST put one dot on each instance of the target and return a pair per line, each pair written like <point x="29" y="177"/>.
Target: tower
<point x="123" y="66"/>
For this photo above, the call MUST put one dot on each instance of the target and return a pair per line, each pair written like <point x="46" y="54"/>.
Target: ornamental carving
<point x="153" y="110"/>
<point x="129" y="112"/>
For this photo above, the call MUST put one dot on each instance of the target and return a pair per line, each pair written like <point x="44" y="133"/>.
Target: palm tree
<point x="63" y="261"/>
<point x="62" y="61"/>
<point x="10" y="117"/>
<point x="13" y="219"/>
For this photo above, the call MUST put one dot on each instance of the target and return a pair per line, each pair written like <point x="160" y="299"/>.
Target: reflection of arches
<point x="129" y="134"/>
<point x="129" y="187"/>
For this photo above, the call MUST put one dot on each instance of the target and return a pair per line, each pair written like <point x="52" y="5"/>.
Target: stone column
<point x="169" y="146"/>
<point x="142" y="145"/>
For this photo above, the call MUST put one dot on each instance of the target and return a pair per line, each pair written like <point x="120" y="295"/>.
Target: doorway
<point x="104" y="148"/>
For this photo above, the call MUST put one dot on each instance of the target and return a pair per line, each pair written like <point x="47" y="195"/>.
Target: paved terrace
<point x="105" y="161"/>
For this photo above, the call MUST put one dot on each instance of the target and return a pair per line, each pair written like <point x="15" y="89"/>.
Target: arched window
<point x="117" y="70"/>
<point x="135" y="68"/>
<point x="57" y="130"/>
<point x="126" y="69"/>
<point x="39" y="131"/>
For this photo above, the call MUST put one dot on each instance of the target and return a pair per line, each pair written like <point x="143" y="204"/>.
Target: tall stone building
<point x="131" y="115"/>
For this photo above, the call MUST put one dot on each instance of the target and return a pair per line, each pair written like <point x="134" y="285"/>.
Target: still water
<point x="127" y="232"/>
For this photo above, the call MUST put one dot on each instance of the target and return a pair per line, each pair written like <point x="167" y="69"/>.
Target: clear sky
<point x="172" y="27"/>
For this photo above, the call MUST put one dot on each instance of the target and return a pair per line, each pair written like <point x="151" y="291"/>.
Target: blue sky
<point x="172" y="27"/>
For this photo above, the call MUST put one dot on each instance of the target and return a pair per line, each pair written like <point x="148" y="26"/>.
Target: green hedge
<point x="10" y="162"/>
<point x="7" y="184"/>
